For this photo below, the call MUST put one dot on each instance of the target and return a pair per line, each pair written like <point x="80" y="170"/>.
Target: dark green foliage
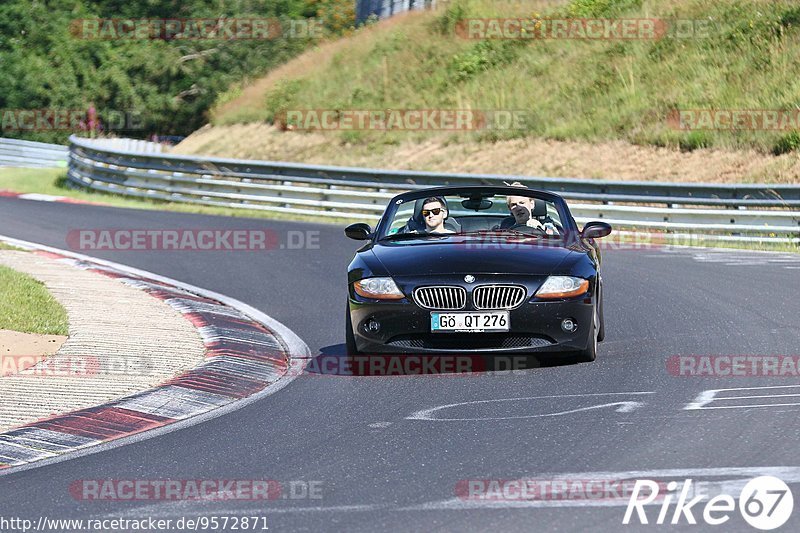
<point x="694" y="141"/>
<point x="483" y="56"/>
<point x="790" y="17"/>
<point x="787" y="143"/>
<point x="162" y="87"/>
<point x="448" y="22"/>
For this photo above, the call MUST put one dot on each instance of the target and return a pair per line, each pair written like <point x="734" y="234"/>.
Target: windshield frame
<point x="385" y="223"/>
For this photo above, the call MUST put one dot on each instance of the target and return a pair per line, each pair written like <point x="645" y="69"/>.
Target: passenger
<point x="434" y="213"/>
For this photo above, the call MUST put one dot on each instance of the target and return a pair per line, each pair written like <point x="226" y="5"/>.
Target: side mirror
<point x="358" y="231"/>
<point x="595" y="230"/>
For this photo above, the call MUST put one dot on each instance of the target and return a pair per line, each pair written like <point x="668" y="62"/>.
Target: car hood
<point x="469" y="255"/>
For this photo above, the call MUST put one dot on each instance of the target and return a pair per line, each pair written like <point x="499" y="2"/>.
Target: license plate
<point x="469" y="322"/>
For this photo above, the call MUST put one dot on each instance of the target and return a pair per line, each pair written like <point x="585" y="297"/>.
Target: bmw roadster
<point x="476" y="269"/>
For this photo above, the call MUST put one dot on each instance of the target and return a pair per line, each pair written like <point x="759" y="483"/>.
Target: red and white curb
<point x="248" y="356"/>
<point x="44" y="197"/>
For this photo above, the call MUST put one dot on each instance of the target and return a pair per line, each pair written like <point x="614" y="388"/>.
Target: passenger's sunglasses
<point x="427" y="212"/>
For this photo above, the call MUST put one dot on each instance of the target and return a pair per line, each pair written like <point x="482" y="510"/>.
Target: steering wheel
<point x="524" y="228"/>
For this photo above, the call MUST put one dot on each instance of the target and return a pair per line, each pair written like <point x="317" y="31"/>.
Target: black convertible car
<point x="476" y="269"/>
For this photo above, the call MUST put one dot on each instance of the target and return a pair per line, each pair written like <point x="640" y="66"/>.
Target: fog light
<point x="373" y="326"/>
<point x="569" y="325"/>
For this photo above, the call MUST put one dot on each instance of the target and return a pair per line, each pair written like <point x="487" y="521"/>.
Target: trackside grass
<point x="26" y="305"/>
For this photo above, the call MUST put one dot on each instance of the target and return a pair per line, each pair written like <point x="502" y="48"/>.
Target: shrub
<point x="787" y="143"/>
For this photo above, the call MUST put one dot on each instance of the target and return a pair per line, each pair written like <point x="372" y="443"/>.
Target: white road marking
<point x="622" y="407"/>
<point x="731" y="257"/>
<point x="735" y="480"/>
<point x="720" y="480"/>
<point x="750" y="397"/>
<point x="706" y="397"/>
<point x="177" y="509"/>
<point x="751" y="406"/>
<point x="380" y="424"/>
<point x="40" y="197"/>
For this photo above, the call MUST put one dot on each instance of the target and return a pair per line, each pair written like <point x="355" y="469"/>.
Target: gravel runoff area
<point x="121" y="340"/>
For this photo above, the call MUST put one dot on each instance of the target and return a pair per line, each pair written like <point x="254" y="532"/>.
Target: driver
<point x="520" y="207"/>
<point x="434" y="214"/>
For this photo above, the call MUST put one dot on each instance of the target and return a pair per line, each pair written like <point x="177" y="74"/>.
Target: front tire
<point x="349" y="336"/>
<point x="590" y="353"/>
<point x="601" y="333"/>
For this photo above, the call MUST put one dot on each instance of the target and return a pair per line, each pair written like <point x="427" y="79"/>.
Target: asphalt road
<point x="622" y="416"/>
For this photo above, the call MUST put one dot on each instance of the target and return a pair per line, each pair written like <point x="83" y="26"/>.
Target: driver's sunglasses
<point x="435" y="211"/>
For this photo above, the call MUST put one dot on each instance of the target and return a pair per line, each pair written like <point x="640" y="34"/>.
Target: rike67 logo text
<point x="765" y="503"/>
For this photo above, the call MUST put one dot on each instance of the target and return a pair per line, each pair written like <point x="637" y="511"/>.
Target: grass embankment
<point x="26" y="305"/>
<point x="745" y="56"/>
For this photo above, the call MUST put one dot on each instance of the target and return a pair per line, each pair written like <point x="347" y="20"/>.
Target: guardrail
<point x="30" y="154"/>
<point x="129" y="145"/>
<point x="724" y="212"/>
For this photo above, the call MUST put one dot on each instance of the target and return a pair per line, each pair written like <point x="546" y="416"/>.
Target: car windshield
<point x="464" y="213"/>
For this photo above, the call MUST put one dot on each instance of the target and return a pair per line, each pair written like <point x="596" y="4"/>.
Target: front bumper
<point x="534" y="327"/>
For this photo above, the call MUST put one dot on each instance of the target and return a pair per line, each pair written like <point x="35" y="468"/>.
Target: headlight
<point x="562" y="287"/>
<point x="379" y="288"/>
